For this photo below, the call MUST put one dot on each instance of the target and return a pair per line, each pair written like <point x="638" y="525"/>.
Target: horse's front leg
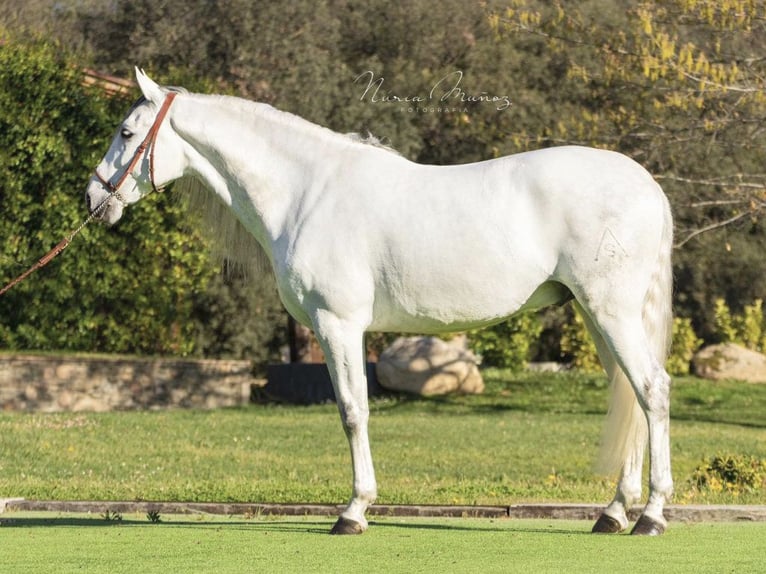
<point x="343" y="344"/>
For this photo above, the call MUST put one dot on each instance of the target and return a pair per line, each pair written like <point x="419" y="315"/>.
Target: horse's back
<point x="564" y="186"/>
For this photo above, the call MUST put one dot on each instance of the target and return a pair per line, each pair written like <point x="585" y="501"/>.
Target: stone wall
<point x="51" y="384"/>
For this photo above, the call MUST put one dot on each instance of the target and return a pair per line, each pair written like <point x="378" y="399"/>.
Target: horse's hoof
<point x="346" y="526"/>
<point x="607" y="525"/>
<point x="647" y="526"/>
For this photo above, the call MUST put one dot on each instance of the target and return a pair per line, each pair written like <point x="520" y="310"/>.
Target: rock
<point x="547" y="367"/>
<point x="429" y="366"/>
<point x="730" y="361"/>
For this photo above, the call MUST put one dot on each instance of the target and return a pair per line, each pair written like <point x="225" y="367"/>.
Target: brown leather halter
<point x="147" y="144"/>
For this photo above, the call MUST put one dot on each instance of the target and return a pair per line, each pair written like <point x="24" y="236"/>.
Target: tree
<point x="679" y="73"/>
<point x="678" y="85"/>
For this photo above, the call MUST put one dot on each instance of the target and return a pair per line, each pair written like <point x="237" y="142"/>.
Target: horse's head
<point x="144" y="155"/>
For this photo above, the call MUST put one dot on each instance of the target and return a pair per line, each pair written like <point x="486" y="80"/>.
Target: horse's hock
<point x="52" y="384"/>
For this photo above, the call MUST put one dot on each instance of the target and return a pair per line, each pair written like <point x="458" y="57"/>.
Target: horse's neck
<point x="253" y="157"/>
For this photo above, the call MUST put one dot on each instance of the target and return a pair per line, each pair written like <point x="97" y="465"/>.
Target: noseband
<point x="148" y="143"/>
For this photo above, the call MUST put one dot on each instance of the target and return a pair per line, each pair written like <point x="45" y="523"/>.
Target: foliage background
<point x="146" y="286"/>
<point x="676" y="84"/>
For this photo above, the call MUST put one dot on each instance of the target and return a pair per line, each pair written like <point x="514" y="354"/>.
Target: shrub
<point x="731" y="473"/>
<point x="129" y="289"/>
<point x="577" y="342"/>
<point x="685" y="344"/>
<point x="752" y="325"/>
<point x="747" y="329"/>
<point x="148" y="285"/>
<point x="506" y="344"/>
<point x="724" y="322"/>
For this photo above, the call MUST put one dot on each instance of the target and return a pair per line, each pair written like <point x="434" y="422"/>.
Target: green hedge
<point x="125" y="289"/>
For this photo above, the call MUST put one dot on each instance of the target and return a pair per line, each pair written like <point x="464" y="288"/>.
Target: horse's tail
<point x="626" y="432"/>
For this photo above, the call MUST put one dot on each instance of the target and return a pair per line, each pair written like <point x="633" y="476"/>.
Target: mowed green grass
<point x="529" y="438"/>
<point x="41" y="543"/>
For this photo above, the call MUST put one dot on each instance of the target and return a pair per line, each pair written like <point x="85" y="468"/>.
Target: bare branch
<point x="711" y="227"/>
<point x="716" y="202"/>
<point x="724" y="87"/>
<point x="729" y="181"/>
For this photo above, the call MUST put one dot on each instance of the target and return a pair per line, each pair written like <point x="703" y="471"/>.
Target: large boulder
<point x="730" y="361"/>
<point x="429" y="366"/>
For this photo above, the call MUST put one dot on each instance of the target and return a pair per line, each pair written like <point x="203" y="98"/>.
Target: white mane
<point x="370" y="140"/>
<point x="229" y="240"/>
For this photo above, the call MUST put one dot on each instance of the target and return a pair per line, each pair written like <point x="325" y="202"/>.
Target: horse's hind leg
<point x="626" y="339"/>
<point x="624" y="440"/>
<point x="655" y="400"/>
<point x="343" y="346"/>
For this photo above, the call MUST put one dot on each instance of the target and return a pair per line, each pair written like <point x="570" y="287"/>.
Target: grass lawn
<point x="529" y="438"/>
<point x="42" y="543"/>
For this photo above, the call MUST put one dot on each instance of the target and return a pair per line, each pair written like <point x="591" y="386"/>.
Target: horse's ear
<point x="152" y="91"/>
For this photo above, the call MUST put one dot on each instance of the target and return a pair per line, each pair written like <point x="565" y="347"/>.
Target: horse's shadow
<point x="96" y="522"/>
<point x="296" y="526"/>
<point x="458" y="527"/>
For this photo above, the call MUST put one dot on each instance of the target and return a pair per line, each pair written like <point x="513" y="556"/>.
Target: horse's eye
<point x="126" y="133"/>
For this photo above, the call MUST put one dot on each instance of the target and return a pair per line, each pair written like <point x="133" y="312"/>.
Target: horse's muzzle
<point x="102" y="205"/>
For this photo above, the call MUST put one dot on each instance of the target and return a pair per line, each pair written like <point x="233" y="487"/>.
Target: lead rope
<point x="63" y="244"/>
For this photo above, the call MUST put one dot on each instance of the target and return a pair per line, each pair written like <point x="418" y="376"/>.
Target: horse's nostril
<point x="87" y="202"/>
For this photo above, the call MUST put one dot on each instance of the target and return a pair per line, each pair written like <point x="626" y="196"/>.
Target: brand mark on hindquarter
<point x="609" y="247"/>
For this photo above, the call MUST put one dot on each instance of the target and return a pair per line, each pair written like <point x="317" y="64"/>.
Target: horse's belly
<point x="457" y="303"/>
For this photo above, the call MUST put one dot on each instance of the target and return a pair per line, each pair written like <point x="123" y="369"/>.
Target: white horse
<point x="362" y="239"/>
